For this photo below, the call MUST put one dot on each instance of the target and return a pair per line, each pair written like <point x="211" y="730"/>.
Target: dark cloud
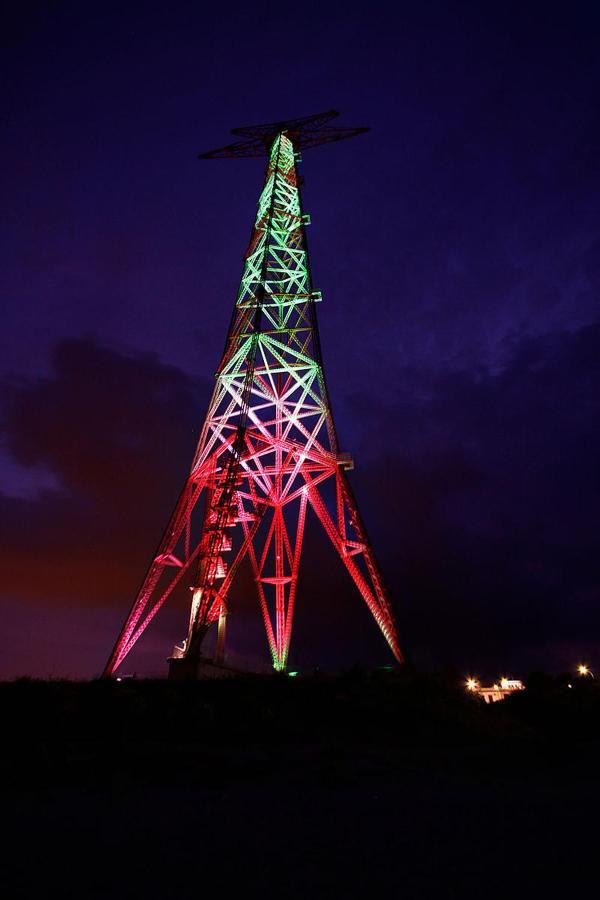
<point x="118" y="431"/>
<point x="487" y="500"/>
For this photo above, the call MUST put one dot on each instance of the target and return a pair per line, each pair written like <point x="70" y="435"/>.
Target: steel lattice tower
<point x="268" y="448"/>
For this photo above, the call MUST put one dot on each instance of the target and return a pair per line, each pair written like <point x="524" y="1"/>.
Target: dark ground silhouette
<point x="365" y="785"/>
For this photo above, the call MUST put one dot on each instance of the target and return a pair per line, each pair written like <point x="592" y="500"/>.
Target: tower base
<point x="202" y="669"/>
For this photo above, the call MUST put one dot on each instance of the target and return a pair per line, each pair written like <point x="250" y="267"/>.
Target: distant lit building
<point x="496" y="692"/>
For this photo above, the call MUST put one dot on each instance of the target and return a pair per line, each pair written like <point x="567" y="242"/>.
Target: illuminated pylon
<point x="268" y="448"/>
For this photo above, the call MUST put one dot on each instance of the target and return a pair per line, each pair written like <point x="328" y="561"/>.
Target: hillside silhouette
<point x="327" y="786"/>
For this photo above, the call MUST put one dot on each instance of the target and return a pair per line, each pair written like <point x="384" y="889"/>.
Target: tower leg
<point x="284" y="581"/>
<point x="370" y="585"/>
<point x="279" y="584"/>
<point x="166" y="565"/>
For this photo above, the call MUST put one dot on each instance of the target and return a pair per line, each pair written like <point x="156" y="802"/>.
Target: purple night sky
<point x="457" y="246"/>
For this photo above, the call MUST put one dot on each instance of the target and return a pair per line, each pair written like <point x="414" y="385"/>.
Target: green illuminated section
<point x="274" y="312"/>
<point x="275" y="272"/>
